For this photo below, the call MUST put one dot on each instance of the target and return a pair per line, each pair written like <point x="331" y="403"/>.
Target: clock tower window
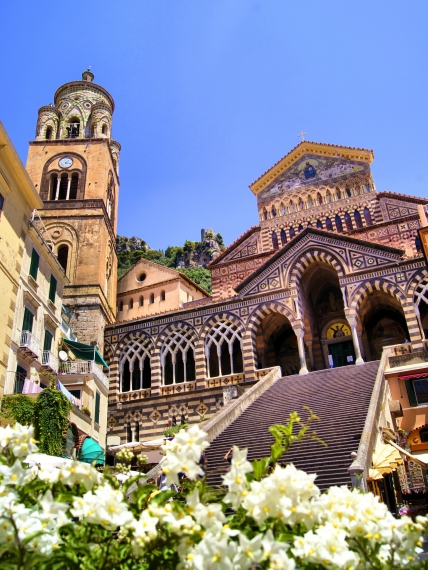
<point x="73" y="129"/>
<point x="48" y="133"/>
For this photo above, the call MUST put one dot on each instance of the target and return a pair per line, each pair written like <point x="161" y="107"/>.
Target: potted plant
<point x="86" y="411"/>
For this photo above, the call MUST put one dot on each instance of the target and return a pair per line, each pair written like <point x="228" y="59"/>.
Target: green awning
<point x="85" y="351"/>
<point x="92" y="451"/>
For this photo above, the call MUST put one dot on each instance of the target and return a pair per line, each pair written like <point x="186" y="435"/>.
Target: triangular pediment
<point x="349" y="255"/>
<point x="310" y="164"/>
<point x="246" y="245"/>
<point x="395" y="206"/>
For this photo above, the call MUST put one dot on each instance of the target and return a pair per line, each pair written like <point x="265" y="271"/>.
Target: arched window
<point x="300" y="228"/>
<point x="152" y="298"/>
<point x="223" y="350"/>
<point x="301" y="204"/>
<point x="93" y="130"/>
<point x="367" y="187"/>
<point x="368" y="217"/>
<point x="310" y="202"/>
<point x="135" y="365"/>
<point x="53" y="186"/>
<point x="141" y="301"/>
<point x="178" y="358"/>
<point x="62" y="256"/>
<point x="348" y="222"/>
<point x="292" y="233"/>
<point x="328" y="196"/>
<point x="283" y="209"/>
<point x="338" y="193"/>
<point x="48" y="135"/>
<point x="265" y="214"/>
<point x="348" y="192"/>
<point x="418" y="245"/>
<point x="319" y="224"/>
<point x="275" y="244"/>
<point x="162" y="295"/>
<point x="128" y="433"/>
<point x="319" y="198"/>
<point x="358" y="220"/>
<point x="104" y="129"/>
<point x="329" y="224"/>
<point x="74" y="184"/>
<point x="283" y="237"/>
<point x="273" y="212"/>
<point x="63" y="185"/>
<point x="73" y="128"/>
<point x="338" y="223"/>
<point x="110" y="201"/>
<point x="131" y="303"/>
<point x="291" y="207"/>
<point x="120" y="306"/>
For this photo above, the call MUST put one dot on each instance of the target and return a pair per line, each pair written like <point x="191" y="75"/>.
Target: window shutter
<point x="52" y="289"/>
<point x="47" y="344"/>
<point x="411" y="393"/>
<point x="27" y="325"/>
<point x="34" y="267"/>
<point x="97" y="407"/>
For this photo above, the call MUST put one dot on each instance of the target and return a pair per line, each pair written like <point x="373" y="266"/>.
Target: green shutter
<point x="97" y="407"/>
<point x="411" y="393"/>
<point x="52" y="289"/>
<point x="27" y="325"/>
<point x="47" y="344"/>
<point x="34" y="267"/>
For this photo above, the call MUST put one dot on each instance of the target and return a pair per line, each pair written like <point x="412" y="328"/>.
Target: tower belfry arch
<point x="73" y="163"/>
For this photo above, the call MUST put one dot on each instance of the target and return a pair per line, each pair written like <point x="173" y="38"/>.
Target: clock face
<point x="66" y="162"/>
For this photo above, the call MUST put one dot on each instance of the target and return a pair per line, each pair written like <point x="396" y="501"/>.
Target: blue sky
<point x="211" y="93"/>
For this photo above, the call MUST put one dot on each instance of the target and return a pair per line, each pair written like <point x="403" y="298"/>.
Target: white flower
<point x="54" y="509"/>
<point x="75" y="472"/>
<point x="183" y="454"/>
<point x="236" y="478"/>
<point x="16" y="475"/>
<point x="213" y="553"/>
<point x="205" y="515"/>
<point x="249" y="551"/>
<point x="144" y="530"/>
<point x="104" y="507"/>
<point x="19" y="439"/>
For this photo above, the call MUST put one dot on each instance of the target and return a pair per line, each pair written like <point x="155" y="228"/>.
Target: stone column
<point x="68" y="187"/>
<point x="301" y="346"/>
<point x="58" y="182"/>
<point x="309" y="344"/>
<point x="353" y="324"/>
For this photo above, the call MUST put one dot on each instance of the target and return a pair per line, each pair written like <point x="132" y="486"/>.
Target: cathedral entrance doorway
<point x="342" y="353"/>
<point x="276" y="344"/>
<point x="384" y="323"/>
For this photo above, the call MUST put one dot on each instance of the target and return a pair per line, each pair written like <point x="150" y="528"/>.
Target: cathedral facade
<point x="332" y="273"/>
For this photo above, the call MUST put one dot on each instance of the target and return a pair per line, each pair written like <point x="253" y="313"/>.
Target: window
<point x="62" y="256"/>
<point x="152" y="298"/>
<point x="319" y="198"/>
<point x="27" y="324"/>
<point x="178" y="358"/>
<point x="52" y="289"/>
<point x="358" y="220"/>
<point x="141" y="277"/>
<point x="418" y="245"/>
<point x="273" y="212"/>
<point x="121" y="306"/>
<point x="338" y="193"/>
<point x="292" y="233"/>
<point x="131" y="303"/>
<point x="74" y="183"/>
<point x="328" y="196"/>
<point x="329" y="224"/>
<point x="48" y="133"/>
<point x="20" y="376"/>
<point x="223" y="350"/>
<point x="104" y="129"/>
<point x="47" y="343"/>
<point x="97" y="407"/>
<point x="73" y="128"/>
<point x="34" y="265"/>
<point x="310" y="202"/>
<point x="162" y="296"/>
<point x="338" y="223"/>
<point x="76" y="393"/>
<point x="141" y="301"/>
<point x="319" y="224"/>
<point x="348" y="222"/>
<point x="63" y="185"/>
<point x="348" y="192"/>
<point x="283" y="210"/>
<point x="134" y="365"/>
<point x="300" y="228"/>
<point x="291" y="207"/>
<point x="53" y="186"/>
<point x="265" y="214"/>
<point x="275" y="244"/>
<point x="368" y="217"/>
<point x="283" y="237"/>
<point x="417" y="391"/>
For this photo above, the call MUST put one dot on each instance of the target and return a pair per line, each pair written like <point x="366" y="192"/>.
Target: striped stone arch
<point x="126" y="339"/>
<point x="304" y="260"/>
<point x="182" y="325"/>
<point x="417" y="287"/>
<point x="364" y="289"/>
<point x="226" y="316"/>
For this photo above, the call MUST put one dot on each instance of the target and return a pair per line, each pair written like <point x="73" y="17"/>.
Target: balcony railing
<point x="50" y="360"/>
<point x="84" y="367"/>
<point x="29" y="342"/>
<point x="407" y="354"/>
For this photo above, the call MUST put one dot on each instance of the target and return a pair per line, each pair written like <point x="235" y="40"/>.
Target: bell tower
<point x="74" y="164"/>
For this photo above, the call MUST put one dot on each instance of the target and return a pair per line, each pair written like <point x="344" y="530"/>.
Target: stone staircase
<point x="340" y="397"/>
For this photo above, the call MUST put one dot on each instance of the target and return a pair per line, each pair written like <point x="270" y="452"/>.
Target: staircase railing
<point x="359" y="469"/>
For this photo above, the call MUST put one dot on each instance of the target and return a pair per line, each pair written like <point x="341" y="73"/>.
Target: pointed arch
<point x="283" y="237"/>
<point x="313" y="255"/>
<point x="329" y="224"/>
<point x="358" y="220"/>
<point x="275" y="243"/>
<point x="135" y="364"/>
<point x="348" y="222"/>
<point x="223" y="349"/>
<point x="338" y="222"/>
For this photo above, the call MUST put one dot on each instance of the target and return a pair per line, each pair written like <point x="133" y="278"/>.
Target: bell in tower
<point x="73" y="163"/>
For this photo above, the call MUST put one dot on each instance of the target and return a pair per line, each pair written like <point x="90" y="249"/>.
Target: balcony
<point x="408" y="355"/>
<point x="66" y="329"/>
<point x="84" y="367"/>
<point x="30" y="345"/>
<point x="49" y="361"/>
